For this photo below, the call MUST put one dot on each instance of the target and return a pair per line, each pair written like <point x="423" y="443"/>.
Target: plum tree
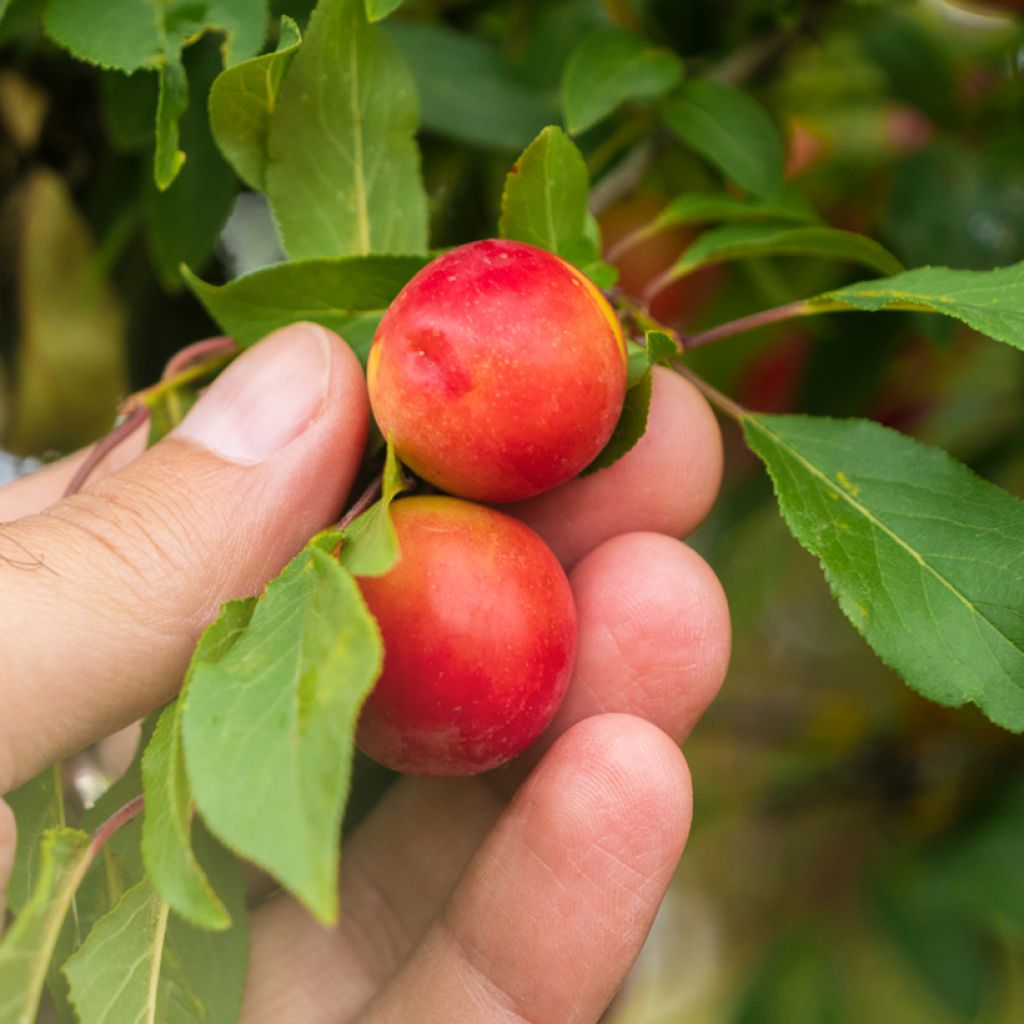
<point x="498" y="372"/>
<point x="479" y="630"/>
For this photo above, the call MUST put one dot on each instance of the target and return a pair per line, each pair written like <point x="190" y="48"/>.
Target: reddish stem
<point x="723" y="402"/>
<point x="197" y="353"/>
<point x="118" y="819"/>
<point x="362" y="503"/>
<point x="750" y="323"/>
<point x="138" y="415"/>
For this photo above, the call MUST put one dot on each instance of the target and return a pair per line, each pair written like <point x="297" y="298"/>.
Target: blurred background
<point x="857" y="853"/>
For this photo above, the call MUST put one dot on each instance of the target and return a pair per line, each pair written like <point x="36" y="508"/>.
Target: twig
<point x="118" y="819"/>
<point x="362" y="503"/>
<point x="790" y="311"/>
<point x="137" y="416"/>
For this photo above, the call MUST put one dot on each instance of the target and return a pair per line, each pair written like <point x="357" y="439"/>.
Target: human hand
<point x="478" y="899"/>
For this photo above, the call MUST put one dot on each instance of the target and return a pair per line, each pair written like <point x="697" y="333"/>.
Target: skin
<point x="479" y="631"/>
<point x="524" y="893"/>
<point x="474" y="372"/>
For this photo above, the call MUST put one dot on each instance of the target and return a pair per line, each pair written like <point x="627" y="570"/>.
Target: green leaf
<point x="376" y="10"/>
<point x="467" y="89"/>
<point x="27" y="948"/>
<point x="990" y="301"/>
<point x="141" y="963"/>
<point x="243" y="24"/>
<point x="925" y="558"/>
<point x="242" y="99"/>
<point x="71" y="362"/>
<point x="336" y="293"/>
<point x="184" y="220"/>
<point x="545" y="199"/>
<point x="661" y="348"/>
<point x="172" y="102"/>
<point x="709" y="208"/>
<point x="343" y="175"/>
<point x="369" y="544"/>
<point x="269" y="728"/>
<point x="167" y="822"/>
<point x="742" y="241"/>
<point x="631" y="426"/>
<point x="38" y="807"/>
<point x="610" y="67"/>
<point x="731" y="130"/>
<point x="122" y="34"/>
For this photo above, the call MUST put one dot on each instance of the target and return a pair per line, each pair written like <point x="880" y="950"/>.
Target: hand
<point x="490" y="899"/>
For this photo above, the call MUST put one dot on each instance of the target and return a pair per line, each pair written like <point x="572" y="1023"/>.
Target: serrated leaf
<point x="122" y="34"/>
<point x="70" y="368"/>
<point x="610" y="67"/>
<point x="990" y="301"/>
<point x="27" y="948"/>
<point x="141" y="963"/>
<point x="269" y="729"/>
<point x="376" y="10"/>
<point x="38" y="807"/>
<point x="343" y="174"/>
<point x="336" y="293"/>
<point x="167" y="821"/>
<point x="369" y="544"/>
<point x="742" y="241"/>
<point x="661" y="348"/>
<point x="925" y="558"/>
<point x="242" y="99"/>
<point x="545" y="199"/>
<point x="467" y="89"/>
<point x="731" y="130"/>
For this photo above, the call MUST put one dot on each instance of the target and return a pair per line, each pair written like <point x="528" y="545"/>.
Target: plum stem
<point x="118" y="819"/>
<point x="136" y="417"/>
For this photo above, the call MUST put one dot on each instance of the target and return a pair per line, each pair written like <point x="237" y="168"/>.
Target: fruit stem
<point x="119" y="818"/>
<point x="722" y="402"/>
<point x="789" y="311"/>
<point x="136" y="417"/>
<point x="362" y="503"/>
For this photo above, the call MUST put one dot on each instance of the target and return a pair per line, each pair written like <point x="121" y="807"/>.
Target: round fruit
<point x="479" y="630"/>
<point x="498" y="372"/>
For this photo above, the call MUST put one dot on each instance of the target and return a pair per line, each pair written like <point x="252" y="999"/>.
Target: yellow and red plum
<point x="479" y="630"/>
<point x="498" y="372"/>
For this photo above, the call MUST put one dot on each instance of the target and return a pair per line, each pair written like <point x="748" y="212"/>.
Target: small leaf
<point x="731" y="130"/>
<point x="140" y="963"/>
<point x="610" y="67"/>
<point x="269" y="729"/>
<point x="661" y="348"/>
<point x="336" y="293"/>
<point x="343" y="174"/>
<point x="545" y="199"/>
<point x="990" y="301"/>
<point x="242" y="99"/>
<point x="925" y="558"/>
<point x="172" y="101"/>
<point x="38" y="807"/>
<point x="27" y="948"/>
<point x="631" y="427"/>
<point x="167" y="821"/>
<point x="369" y="545"/>
<point x="742" y="241"/>
<point x="122" y="34"/>
<point x="468" y="90"/>
<point x="376" y="10"/>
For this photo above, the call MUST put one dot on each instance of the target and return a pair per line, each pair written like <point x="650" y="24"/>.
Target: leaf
<point x="172" y="102"/>
<point x="467" y="89"/>
<point x="731" y="130"/>
<point x="184" y="220"/>
<point x="242" y="99"/>
<point x="343" y="175"/>
<point x="269" y="728"/>
<point x="990" y="301"/>
<point x="369" y="545"/>
<point x="71" y="373"/>
<point x="925" y="558"/>
<point x="122" y="34"/>
<point x="243" y="24"/>
<point x="38" y="806"/>
<point x="26" y="949"/>
<point x="129" y="105"/>
<point x="376" y="10"/>
<point x="167" y="821"/>
<point x="141" y="963"/>
<point x="703" y="208"/>
<point x="741" y="241"/>
<point x="335" y="293"/>
<point x="610" y="67"/>
<point x="545" y="199"/>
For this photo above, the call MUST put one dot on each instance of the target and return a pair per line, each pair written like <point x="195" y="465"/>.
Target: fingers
<point x="556" y="904"/>
<point x="666" y="484"/>
<point x="104" y="595"/>
<point x="7" y="847"/>
<point x="653" y="641"/>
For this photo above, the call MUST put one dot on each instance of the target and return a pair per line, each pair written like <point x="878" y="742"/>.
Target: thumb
<point x="105" y="594"/>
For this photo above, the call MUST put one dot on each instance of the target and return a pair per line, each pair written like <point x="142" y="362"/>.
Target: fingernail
<point x="265" y="398"/>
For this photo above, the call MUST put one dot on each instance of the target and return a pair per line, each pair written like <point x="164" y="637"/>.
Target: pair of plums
<point x="498" y="373"/>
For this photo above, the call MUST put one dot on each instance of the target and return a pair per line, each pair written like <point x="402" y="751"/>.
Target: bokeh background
<point x="857" y="853"/>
